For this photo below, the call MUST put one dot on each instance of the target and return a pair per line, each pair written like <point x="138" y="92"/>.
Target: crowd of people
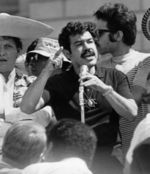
<point x="79" y="103"/>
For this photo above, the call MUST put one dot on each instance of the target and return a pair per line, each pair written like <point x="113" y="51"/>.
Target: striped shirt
<point x="129" y="64"/>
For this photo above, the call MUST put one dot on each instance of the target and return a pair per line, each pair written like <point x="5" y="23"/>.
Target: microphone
<point x="83" y="71"/>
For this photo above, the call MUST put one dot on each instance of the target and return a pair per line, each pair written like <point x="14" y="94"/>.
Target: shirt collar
<point x="12" y="74"/>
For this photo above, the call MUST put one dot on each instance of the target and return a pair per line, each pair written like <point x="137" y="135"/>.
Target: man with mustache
<point x="106" y="91"/>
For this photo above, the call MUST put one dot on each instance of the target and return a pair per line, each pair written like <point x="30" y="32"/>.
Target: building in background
<point x="58" y="12"/>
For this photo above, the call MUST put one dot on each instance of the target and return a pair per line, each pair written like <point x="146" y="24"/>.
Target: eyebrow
<point x="78" y="41"/>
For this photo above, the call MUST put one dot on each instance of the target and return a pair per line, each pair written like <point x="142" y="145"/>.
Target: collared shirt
<point x="13" y="91"/>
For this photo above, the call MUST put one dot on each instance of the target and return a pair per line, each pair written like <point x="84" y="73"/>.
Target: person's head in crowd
<point x="16" y="33"/>
<point x="141" y="158"/>
<point x="10" y="48"/>
<point x="24" y="144"/>
<point x="116" y="28"/>
<point x="78" y="41"/>
<point x="38" y="54"/>
<point x="71" y="138"/>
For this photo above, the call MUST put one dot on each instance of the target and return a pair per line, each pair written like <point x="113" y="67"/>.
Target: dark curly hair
<point x="119" y="17"/>
<point x="74" y="28"/>
<point x="71" y="138"/>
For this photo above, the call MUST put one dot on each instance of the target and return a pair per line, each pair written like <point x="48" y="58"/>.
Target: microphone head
<point x="83" y="70"/>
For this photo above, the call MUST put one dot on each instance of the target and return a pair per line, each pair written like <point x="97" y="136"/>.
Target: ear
<point x="67" y="54"/>
<point x="118" y="35"/>
<point x="48" y="152"/>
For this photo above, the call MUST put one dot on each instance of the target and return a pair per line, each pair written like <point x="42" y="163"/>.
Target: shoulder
<point x="68" y="166"/>
<point x="106" y="71"/>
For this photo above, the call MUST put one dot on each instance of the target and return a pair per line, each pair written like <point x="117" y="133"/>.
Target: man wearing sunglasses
<point x="116" y="30"/>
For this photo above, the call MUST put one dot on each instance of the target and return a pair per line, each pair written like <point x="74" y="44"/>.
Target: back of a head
<point x="71" y="138"/>
<point x="23" y="143"/>
<point x="119" y="17"/>
<point x="141" y="158"/>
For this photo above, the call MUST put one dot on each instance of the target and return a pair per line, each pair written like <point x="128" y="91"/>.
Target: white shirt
<point x="67" y="166"/>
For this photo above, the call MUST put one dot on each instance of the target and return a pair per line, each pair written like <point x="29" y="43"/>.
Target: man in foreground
<point x="107" y="95"/>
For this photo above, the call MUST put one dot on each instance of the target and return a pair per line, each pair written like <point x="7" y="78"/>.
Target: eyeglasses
<point x="33" y="57"/>
<point x="100" y="32"/>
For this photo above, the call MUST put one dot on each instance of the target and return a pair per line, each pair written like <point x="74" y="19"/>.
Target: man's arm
<point x="32" y="99"/>
<point x="123" y="106"/>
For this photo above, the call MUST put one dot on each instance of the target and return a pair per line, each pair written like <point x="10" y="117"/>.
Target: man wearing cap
<point x="38" y="54"/>
<point x="16" y="33"/>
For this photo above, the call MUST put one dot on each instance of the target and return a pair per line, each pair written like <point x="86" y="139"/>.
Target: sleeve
<point x="123" y="86"/>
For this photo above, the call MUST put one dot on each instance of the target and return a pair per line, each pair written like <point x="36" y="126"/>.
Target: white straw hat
<point x="24" y="28"/>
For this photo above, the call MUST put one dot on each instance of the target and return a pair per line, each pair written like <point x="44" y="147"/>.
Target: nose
<point x="86" y="45"/>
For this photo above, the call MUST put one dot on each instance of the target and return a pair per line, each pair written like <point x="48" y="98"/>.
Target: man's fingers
<point x="57" y="54"/>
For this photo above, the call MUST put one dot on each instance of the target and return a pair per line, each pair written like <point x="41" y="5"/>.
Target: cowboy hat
<point x="146" y="24"/>
<point x="24" y="28"/>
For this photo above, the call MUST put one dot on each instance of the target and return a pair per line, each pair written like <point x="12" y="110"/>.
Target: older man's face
<point x="8" y="55"/>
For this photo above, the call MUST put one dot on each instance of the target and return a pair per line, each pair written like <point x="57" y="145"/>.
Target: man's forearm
<point x="32" y="100"/>
<point x="123" y="106"/>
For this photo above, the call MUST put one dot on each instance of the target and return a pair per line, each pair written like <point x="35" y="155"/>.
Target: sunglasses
<point x="100" y="32"/>
<point x="35" y="58"/>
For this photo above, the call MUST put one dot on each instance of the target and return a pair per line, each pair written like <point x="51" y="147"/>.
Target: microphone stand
<point x="81" y="102"/>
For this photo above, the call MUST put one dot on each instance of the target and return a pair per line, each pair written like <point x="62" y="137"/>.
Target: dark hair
<point x="119" y="17"/>
<point x="16" y="40"/>
<point x="71" y="138"/>
<point x="74" y="28"/>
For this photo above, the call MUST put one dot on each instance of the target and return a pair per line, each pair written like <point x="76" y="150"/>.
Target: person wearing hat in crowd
<point x="24" y="144"/>
<point x="107" y="96"/>
<point x="116" y="29"/>
<point x="38" y="54"/>
<point x="16" y="33"/>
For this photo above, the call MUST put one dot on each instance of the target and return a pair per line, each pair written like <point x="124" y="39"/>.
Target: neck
<point x="121" y="50"/>
<point x="12" y="163"/>
<point x="6" y="75"/>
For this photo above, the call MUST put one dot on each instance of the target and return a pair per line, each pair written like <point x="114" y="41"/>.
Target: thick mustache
<point x="2" y="60"/>
<point x="88" y="52"/>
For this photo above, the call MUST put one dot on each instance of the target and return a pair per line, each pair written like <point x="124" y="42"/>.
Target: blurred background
<point x="58" y="12"/>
